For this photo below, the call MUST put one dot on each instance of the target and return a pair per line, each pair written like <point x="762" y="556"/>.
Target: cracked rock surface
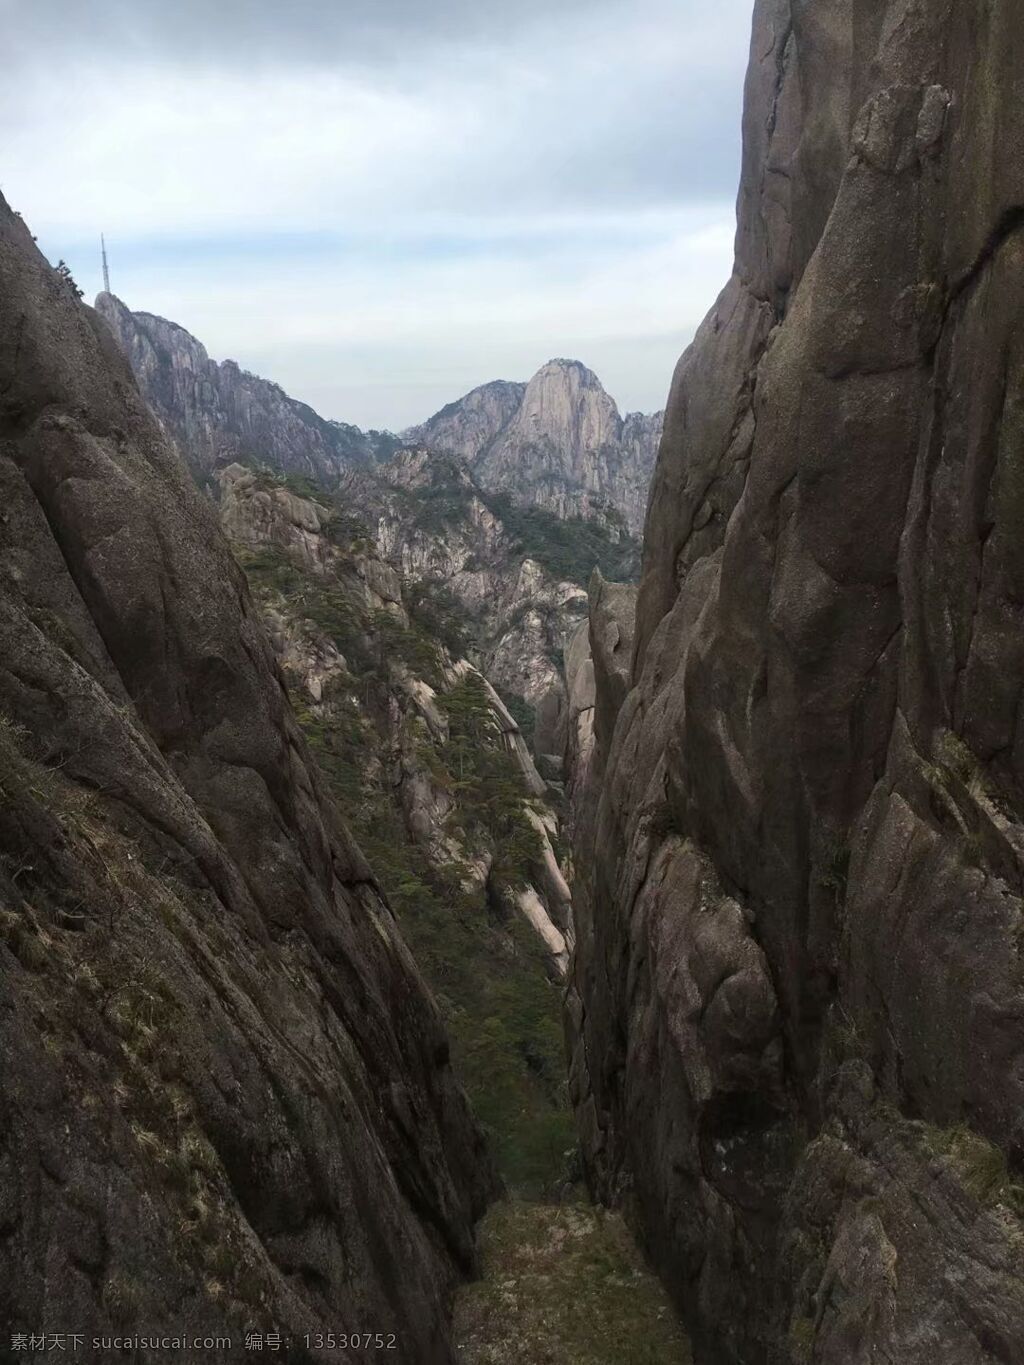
<point x="218" y="413"/>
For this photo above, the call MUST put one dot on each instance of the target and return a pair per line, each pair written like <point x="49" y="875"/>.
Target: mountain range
<point x="557" y="442"/>
<point x="467" y="503"/>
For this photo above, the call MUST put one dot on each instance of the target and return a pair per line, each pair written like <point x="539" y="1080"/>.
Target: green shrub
<point x="305" y="487"/>
<point x="490" y="793"/>
<point x="980" y="1164"/>
<point x="438" y="613"/>
<point x="122" y="1299"/>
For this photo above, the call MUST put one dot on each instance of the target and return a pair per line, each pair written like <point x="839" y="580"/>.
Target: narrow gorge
<point x="545" y="885"/>
<point x="330" y="758"/>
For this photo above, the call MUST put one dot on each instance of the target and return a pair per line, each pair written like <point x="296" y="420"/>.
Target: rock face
<point x="226" y="1093"/>
<point x="557" y="442"/>
<point x="219" y="413"/>
<point x="471" y="424"/>
<point x="432" y="519"/>
<point x="798" y="1005"/>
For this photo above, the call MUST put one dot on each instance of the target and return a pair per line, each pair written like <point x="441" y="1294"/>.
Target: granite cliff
<point x="518" y="579"/>
<point x="468" y="426"/>
<point x="227" y="1094"/>
<point x="557" y="442"/>
<point x="797" y="1004"/>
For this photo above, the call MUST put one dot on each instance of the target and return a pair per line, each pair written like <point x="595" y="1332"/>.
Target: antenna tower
<point x="106" y="272"/>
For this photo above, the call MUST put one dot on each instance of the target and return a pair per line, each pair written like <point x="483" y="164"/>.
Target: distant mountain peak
<point x="562" y="363"/>
<point x="558" y="441"/>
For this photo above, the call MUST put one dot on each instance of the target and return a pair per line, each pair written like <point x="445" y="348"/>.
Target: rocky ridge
<point x="797" y="1006"/>
<point x="219" y="413"/>
<point x="557" y="442"/>
<point x="214" y="1043"/>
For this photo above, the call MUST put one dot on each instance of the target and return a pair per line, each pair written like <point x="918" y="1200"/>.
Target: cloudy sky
<point x="382" y="203"/>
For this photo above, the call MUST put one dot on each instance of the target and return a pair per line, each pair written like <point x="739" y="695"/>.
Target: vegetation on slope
<point x="485" y="965"/>
<point x="570" y="548"/>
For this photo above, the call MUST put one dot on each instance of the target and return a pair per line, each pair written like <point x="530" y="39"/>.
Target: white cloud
<point x="585" y="120"/>
<point x="385" y="346"/>
<point x="466" y="205"/>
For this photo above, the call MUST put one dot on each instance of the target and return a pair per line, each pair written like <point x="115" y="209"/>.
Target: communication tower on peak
<point x="106" y="272"/>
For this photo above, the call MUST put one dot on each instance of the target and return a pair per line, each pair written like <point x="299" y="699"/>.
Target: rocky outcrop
<point x="798" y="1016"/>
<point x="612" y="618"/>
<point x="557" y="442"/>
<point x="431" y="518"/>
<point x="577" y="737"/>
<point x="226" y="1094"/>
<point x="219" y="413"/>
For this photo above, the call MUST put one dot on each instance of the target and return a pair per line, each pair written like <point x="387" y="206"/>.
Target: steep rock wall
<point x="227" y="1100"/>
<point x="798" y="1005"/>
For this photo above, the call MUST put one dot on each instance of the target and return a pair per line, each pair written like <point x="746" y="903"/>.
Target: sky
<point x="380" y="204"/>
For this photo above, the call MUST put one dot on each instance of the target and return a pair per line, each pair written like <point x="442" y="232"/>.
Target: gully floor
<point x="564" y="1285"/>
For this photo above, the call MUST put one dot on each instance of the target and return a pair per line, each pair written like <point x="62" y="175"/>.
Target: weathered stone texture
<point x="798" y="1001"/>
<point x="218" y="412"/>
<point x="226" y="1097"/>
